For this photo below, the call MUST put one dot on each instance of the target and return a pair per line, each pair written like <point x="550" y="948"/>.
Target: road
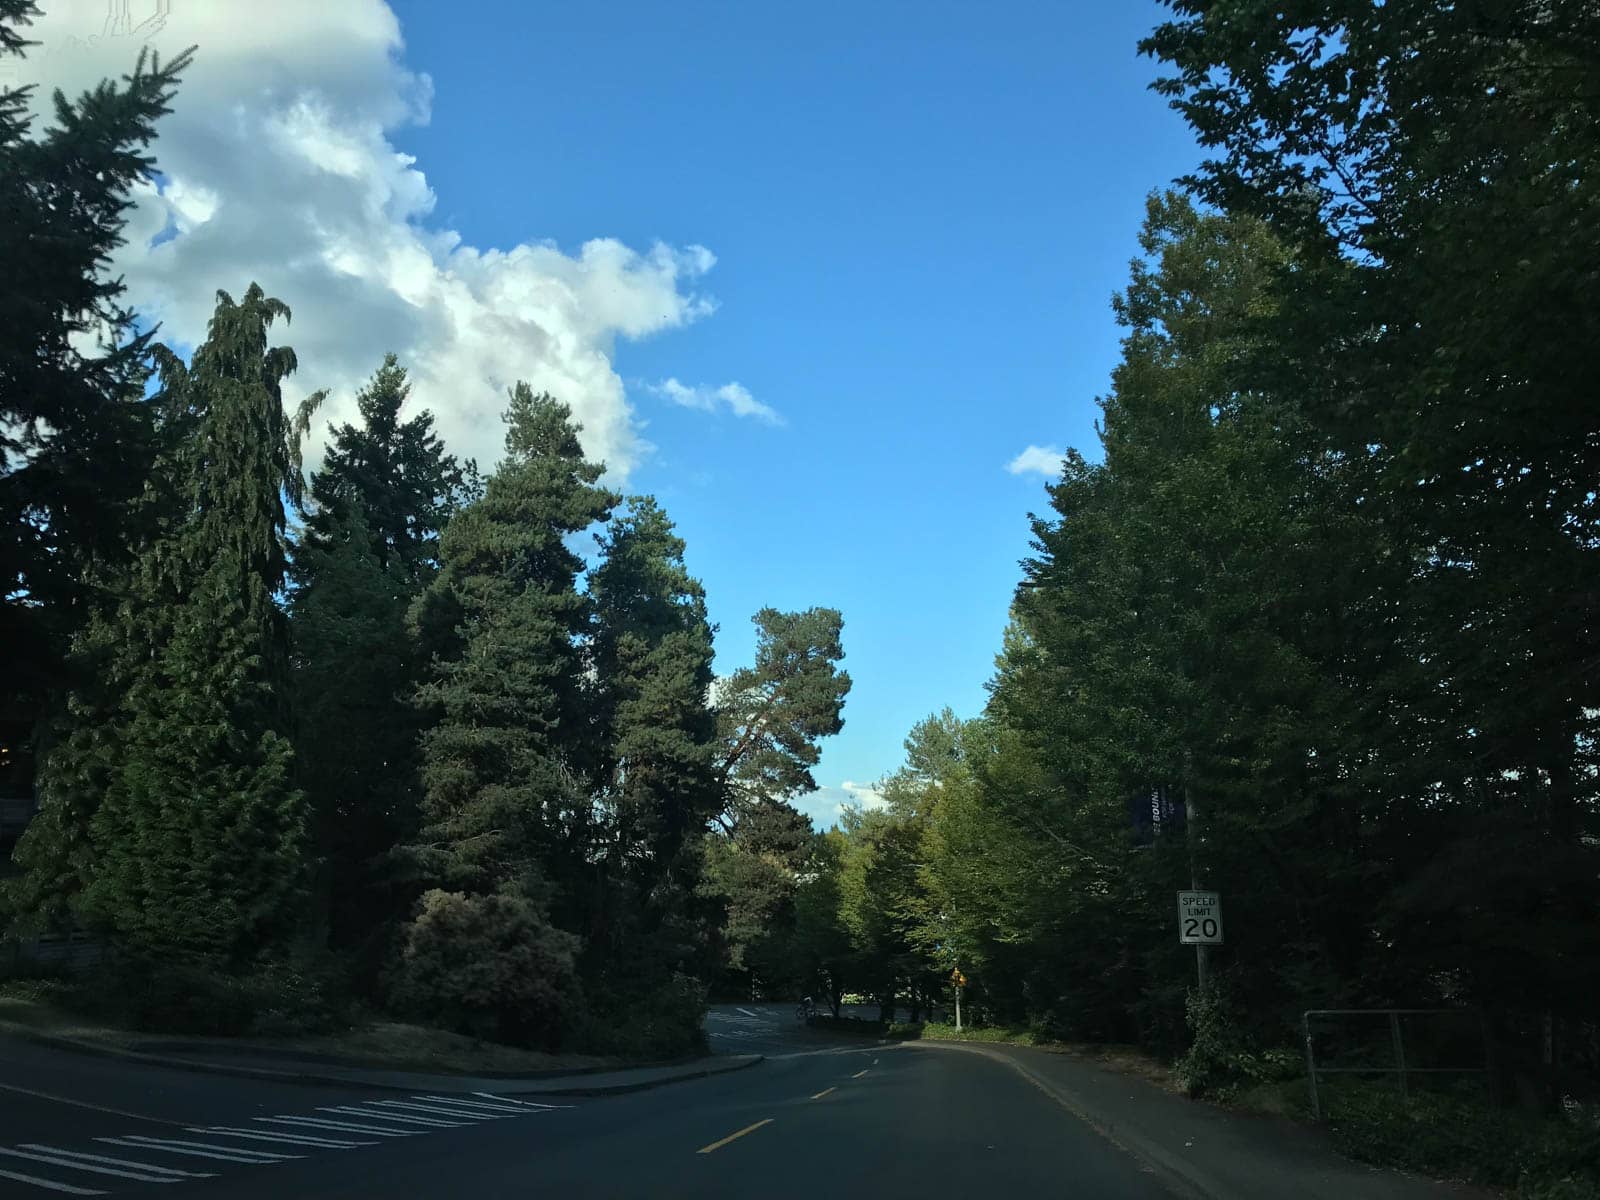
<point x="821" y="1117"/>
<point x="834" y="1122"/>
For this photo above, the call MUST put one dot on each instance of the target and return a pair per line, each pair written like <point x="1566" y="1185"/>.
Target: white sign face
<point x="1200" y="918"/>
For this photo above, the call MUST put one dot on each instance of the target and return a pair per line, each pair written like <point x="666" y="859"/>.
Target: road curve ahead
<point x="868" y="1122"/>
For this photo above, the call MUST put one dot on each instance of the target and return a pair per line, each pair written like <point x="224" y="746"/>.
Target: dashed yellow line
<point x="860" y="1073"/>
<point x="732" y="1136"/>
<point x="822" y="1093"/>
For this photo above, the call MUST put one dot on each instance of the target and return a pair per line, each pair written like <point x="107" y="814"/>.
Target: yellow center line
<point x="732" y="1136"/>
<point x="859" y="1074"/>
<point x="822" y="1093"/>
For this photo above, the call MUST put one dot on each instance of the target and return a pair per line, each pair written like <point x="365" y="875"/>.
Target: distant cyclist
<point x="808" y="1009"/>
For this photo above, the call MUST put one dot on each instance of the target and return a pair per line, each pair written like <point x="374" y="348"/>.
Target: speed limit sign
<point x="1200" y="918"/>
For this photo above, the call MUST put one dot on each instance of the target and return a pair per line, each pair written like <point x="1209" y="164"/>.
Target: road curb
<point x="241" y="1071"/>
<point x="1178" y="1175"/>
<point x="623" y="1089"/>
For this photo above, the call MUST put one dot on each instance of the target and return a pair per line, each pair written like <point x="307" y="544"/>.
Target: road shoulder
<point x="1204" y="1152"/>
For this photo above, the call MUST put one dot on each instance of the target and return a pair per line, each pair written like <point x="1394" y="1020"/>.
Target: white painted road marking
<point x="52" y="1160"/>
<point x="292" y="1139"/>
<point x="432" y="1110"/>
<point x="524" y="1103"/>
<point x="284" y="1138"/>
<point x="197" y="1150"/>
<point x="346" y="1126"/>
<point x="120" y="1162"/>
<point x="366" y="1115"/>
<point x="54" y="1187"/>
<point x="477" y="1104"/>
<point x="450" y="1108"/>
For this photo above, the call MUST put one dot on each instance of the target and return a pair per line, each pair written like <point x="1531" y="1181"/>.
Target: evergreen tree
<point x="399" y="475"/>
<point x="130" y="620"/>
<point x="505" y="801"/>
<point x="381" y="498"/>
<point x="653" y="676"/>
<point x="354" y="665"/>
<point x="76" y="440"/>
<point x="198" y="844"/>
<point x="656" y="786"/>
<point x="770" y="715"/>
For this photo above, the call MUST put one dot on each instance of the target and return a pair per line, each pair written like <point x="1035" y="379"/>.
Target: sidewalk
<point x="1206" y="1152"/>
<point x="287" y="1068"/>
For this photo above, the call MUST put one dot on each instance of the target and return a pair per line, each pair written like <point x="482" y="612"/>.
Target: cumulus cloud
<point x="276" y="167"/>
<point x="734" y="397"/>
<point x="827" y="804"/>
<point x="1041" y="460"/>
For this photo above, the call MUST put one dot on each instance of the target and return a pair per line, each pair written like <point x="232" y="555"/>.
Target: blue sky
<point x="919" y="213"/>
<point x="896" y="225"/>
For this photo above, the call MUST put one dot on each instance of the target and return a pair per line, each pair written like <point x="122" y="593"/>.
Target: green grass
<point x="1012" y="1035"/>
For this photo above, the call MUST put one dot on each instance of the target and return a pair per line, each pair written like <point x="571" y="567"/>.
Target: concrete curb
<point x="240" y="1070"/>
<point x="623" y="1089"/>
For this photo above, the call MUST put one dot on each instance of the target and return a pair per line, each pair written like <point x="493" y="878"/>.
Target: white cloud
<point x="827" y="805"/>
<point x="277" y="167"/>
<point x="735" y="397"/>
<point x="1043" y="460"/>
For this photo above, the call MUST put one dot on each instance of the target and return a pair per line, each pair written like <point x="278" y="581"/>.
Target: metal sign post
<point x="960" y="980"/>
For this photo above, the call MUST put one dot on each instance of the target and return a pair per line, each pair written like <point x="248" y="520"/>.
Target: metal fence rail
<point x="1401" y="1068"/>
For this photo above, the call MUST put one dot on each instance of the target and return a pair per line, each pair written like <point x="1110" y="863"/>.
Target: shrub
<point x="491" y="967"/>
<point x="1543" y="1159"/>
<point x="985" y="1033"/>
<point x="303" y="991"/>
<point x="167" y="995"/>
<point x="663" y="1021"/>
<point x="1222" y="1057"/>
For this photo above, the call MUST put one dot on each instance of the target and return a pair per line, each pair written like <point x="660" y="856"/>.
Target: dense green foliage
<point x="383" y="494"/>
<point x="1314" y="626"/>
<point x="75" y="440"/>
<point x="172" y="817"/>
<point x="391" y="739"/>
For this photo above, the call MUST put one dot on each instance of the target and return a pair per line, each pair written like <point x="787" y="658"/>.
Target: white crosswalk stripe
<point x="437" y="1110"/>
<point x="264" y="1141"/>
<point x="118" y="1162"/>
<point x="50" y="1184"/>
<point x="476" y="1106"/>
<point x="287" y="1138"/>
<point x="55" y="1161"/>
<point x="346" y="1126"/>
<point x="366" y="1114"/>
<point x="520" y="1103"/>
<point x="196" y="1150"/>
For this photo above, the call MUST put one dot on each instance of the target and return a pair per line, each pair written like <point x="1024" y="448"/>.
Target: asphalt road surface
<point x="820" y="1118"/>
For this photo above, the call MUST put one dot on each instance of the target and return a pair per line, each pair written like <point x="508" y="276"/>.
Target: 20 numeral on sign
<point x="1200" y="918"/>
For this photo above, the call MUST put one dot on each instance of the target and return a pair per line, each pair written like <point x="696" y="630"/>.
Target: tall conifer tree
<point x="199" y="843"/>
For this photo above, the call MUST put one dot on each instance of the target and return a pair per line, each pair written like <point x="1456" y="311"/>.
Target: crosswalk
<point x="186" y="1153"/>
<point x="739" y="1024"/>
